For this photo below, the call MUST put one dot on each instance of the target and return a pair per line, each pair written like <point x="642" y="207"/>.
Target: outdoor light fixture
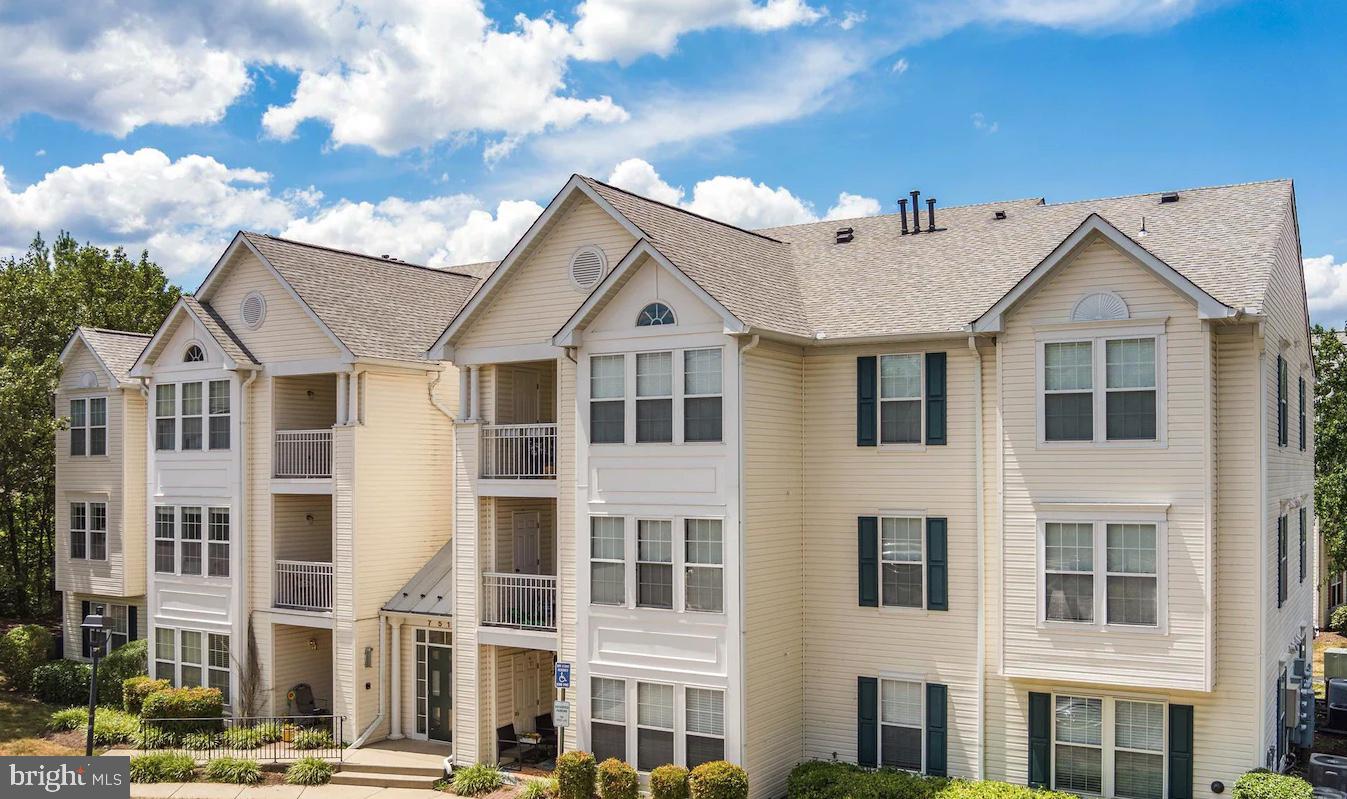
<point x="95" y="626"/>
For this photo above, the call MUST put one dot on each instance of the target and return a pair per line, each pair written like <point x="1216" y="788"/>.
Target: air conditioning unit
<point x="1329" y="771"/>
<point x="1337" y="705"/>
<point x="1327" y="793"/>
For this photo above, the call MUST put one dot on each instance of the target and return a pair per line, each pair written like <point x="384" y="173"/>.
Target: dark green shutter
<point x="867" y="721"/>
<point x="1281" y="573"/>
<point x="132" y="623"/>
<point x="85" y="649"/>
<point x="1303" y="536"/>
<point x="937" y="716"/>
<point x="937" y="564"/>
<point x="1302" y="413"/>
<point x="1180" y="752"/>
<point x="1040" y="739"/>
<point x="867" y="560"/>
<point x="935" y="398"/>
<point x="1281" y="401"/>
<point x="867" y="391"/>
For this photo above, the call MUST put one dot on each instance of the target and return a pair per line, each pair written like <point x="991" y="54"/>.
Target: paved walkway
<point x="215" y="790"/>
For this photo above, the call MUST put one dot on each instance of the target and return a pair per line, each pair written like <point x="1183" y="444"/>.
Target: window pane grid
<point x="1078" y="733"/>
<point x="654" y="397"/>
<point x="608" y="560"/>
<point x="79" y="529"/>
<point x="1133" y="588"/>
<point x="608" y="700"/>
<point x="163" y="540"/>
<point x="218" y="546"/>
<point x="705" y="711"/>
<point x="654" y="563"/>
<point x="190" y="554"/>
<point x="98" y="531"/>
<point x="655" y="705"/>
<point x="701" y="372"/>
<point x="704" y="575"/>
<point x="901" y="548"/>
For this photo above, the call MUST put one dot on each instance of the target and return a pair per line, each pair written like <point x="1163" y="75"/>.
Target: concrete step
<point x="381" y="780"/>
<point x="383" y="768"/>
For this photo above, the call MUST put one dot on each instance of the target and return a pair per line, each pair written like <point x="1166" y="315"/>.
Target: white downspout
<point x="743" y="570"/>
<point x="243" y="449"/>
<point x="434" y="401"/>
<point x="981" y="543"/>
<point x="1261" y="408"/>
<point x="379" y="716"/>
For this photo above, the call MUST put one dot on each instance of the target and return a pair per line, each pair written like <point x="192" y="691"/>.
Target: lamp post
<point x="95" y="626"/>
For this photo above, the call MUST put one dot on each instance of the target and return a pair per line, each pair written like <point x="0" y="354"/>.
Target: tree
<point x="44" y="295"/>
<point x="1330" y="443"/>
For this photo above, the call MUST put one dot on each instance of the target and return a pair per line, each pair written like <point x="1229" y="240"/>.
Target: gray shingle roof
<point x="118" y="349"/>
<point x="219" y="331"/>
<point x="431" y="590"/>
<point x="378" y="308"/>
<point x="797" y="280"/>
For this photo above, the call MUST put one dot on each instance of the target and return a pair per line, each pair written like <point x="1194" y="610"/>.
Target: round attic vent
<point x="253" y="310"/>
<point x="1099" y="307"/>
<point x="587" y="267"/>
<point x="88" y="380"/>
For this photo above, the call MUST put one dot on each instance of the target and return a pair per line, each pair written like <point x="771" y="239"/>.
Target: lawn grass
<point x="23" y="729"/>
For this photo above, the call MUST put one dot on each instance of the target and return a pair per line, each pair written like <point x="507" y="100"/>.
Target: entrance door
<point x="525" y="691"/>
<point x="439" y="694"/>
<point x="525" y="396"/>
<point x="527" y="557"/>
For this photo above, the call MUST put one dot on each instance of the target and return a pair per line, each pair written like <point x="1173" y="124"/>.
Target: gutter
<point x="981" y="544"/>
<point x="1260" y="408"/>
<point x="430" y="394"/>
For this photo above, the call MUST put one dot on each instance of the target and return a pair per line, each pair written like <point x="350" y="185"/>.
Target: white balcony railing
<point x="303" y="453"/>
<point x="522" y="601"/>
<point x="303" y="585"/>
<point x="519" y="451"/>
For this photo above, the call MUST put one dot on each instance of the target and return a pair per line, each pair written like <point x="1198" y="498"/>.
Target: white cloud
<point x="626" y="29"/>
<point x="1326" y="287"/>
<point x="1085" y="14"/>
<point x="851" y="19"/>
<point x="899" y="67"/>
<point x="736" y="200"/>
<point x="981" y="122"/>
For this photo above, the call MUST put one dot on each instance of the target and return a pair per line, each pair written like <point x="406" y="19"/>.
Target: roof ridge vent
<point x="845" y="235"/>
<point x="1169" y="197"/>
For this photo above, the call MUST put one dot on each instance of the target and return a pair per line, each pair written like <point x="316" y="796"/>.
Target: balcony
<point x="303" y="585"/>
<point x="519" y="452"/>
<point x="303" y="454"/>
<point x="519" y="601"/>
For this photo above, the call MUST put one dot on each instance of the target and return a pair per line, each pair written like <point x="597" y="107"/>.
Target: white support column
<point x="341" y="398"/>
<point x="464" y="398"/>
<point x="476" y="394"/>
<point x="395" y="700"/>
<point x="353" y="399"/>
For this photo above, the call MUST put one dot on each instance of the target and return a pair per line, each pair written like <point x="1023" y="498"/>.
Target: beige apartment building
<point x="1015" y="491"/>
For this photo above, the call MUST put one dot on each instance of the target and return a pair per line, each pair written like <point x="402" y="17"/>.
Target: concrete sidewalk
<point x="215" y="790"/>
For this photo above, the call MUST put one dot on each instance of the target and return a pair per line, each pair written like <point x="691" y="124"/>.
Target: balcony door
<point x="526" y="388"/>
<point x="527" y="547"/>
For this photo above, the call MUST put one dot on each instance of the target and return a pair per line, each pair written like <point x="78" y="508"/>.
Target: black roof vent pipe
<point x="930" y="215"/>
<point x="916" y="211"/>
<point x="902" y="209"/>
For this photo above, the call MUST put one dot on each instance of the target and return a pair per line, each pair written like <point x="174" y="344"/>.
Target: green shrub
<point x="152" y="736"/>
<point x="575" y="775"/>
<point x="268" y="732"/>
<point x="829" y="780"/>
<point x="539" y="789"/>
<point x="313" y="739"/>
<point x="1269" y="785"/>
<point x="234" y="770"/>
<point x="61" y="682"/>
<point x="162" y="767"/>
<point x="114" y="727"/>
<point x="72" y="718"/>
<point x="618" y="780"/>
<point x="23" y="649"/>
<point x="241" y="738"/>
<point x="185" y="703"/>
<point x="1338" y="620"/>
<point x="135" y="690"/>
<point x="477" y="779"/>
<point x="309" y="771"/>
<point x="669" y="782"/>
<point x="718" y="780"/>
<point x="122" y="663"/>
<point x="200" y="741"/>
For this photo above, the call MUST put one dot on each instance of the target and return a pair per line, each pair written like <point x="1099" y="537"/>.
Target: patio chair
<point x="547" y="735"/>
<point x="306" y="705"/>
<point x="507" y="744"/>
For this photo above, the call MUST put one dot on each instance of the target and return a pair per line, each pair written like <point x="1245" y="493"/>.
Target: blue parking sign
<point x="562" y="673"/>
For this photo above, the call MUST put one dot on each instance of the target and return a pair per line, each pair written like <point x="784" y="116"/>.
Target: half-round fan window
<point x="656" y="313"/>
<point x="253" y="311"/>
<point x="587" y="265"/>
<point x="1101" y="306"/>
<point x="194" y="354"/>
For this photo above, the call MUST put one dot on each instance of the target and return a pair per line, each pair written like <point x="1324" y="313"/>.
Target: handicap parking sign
<point x="562" y="673"/>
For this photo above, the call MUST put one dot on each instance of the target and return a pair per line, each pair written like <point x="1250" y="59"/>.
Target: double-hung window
<point x="89" y="426"/>
<point x="705" y="716"/>
<point x="654" y="397"/>
<point x="654" y="563"/>
<point x="1101" y="389"/>
<point x="79" y="427"/>
<point x="654" y="725"/>
<point x="192" y="413"/>
<point x="89" y="530"/>
<point x="903" y="563"/>
<point x="704" y="568"/>
<point x="165" y="654"/>
<point x="607" y="560"/>
<point x="217" y="550"/>
<point x="165" y="543"/>
<point x="1101" y="573"/>
<point x="608" y="718"/>
<point x="900" y="398"/>
<point x="702" y="402"/>
<point x="218" y="408"/>
<point x="191" y="657"/>
<point x="607" y="399"/>
<point x="900" y="724"/>
<point x="218" y="664"/>
<point x="190" y="546"/>
<point x="165" y="416"/>
<point x="1109" y="747"/>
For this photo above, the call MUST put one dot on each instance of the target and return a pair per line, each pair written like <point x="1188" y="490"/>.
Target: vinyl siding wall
<point x="773" y="540"/>
<point x="288" y="333"/>
<point x="295" y="662"/>
<point x="72" y="604"/>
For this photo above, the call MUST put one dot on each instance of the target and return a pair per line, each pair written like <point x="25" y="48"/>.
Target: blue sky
<point x="436" y="131"/>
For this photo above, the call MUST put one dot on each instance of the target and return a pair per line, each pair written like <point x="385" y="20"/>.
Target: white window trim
<point x="920" y="444"/>
<point x="1099" y="334"/>
<point x="629" y="397"/>
<point x="628" y="538"/>
<point x="1107" y="739"/>
<point x="879" y="715"/>
<point x="631" y="714"/>
<point x="87" y="531"/>
<point x="678" y="523"/>
<point x="634" y="700"/>
<point x="179" y="416"/>
<point x="925" y="583"/>
<point x="204" y="665"/>
<point x="205" y="507"/>
<point x="88" y="427"/>
<point x="672" y="563"/>
<point x="1100" y="522"/>
<point x="210" y="415"/>
<point x="681" y="719"/>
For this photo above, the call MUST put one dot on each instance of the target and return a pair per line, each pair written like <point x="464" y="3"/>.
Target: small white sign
<point x="561" y="713"/>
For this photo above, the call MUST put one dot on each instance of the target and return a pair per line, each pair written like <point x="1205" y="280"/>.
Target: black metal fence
<point x="268" y="739"/>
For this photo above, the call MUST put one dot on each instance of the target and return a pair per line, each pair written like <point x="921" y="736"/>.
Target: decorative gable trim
<point x="1208" y="307"/>
<point x="440" y="350"/>
<point x="150" y="354"/>
<point x="569" y="335"/>
<point x="69" y="350"/>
